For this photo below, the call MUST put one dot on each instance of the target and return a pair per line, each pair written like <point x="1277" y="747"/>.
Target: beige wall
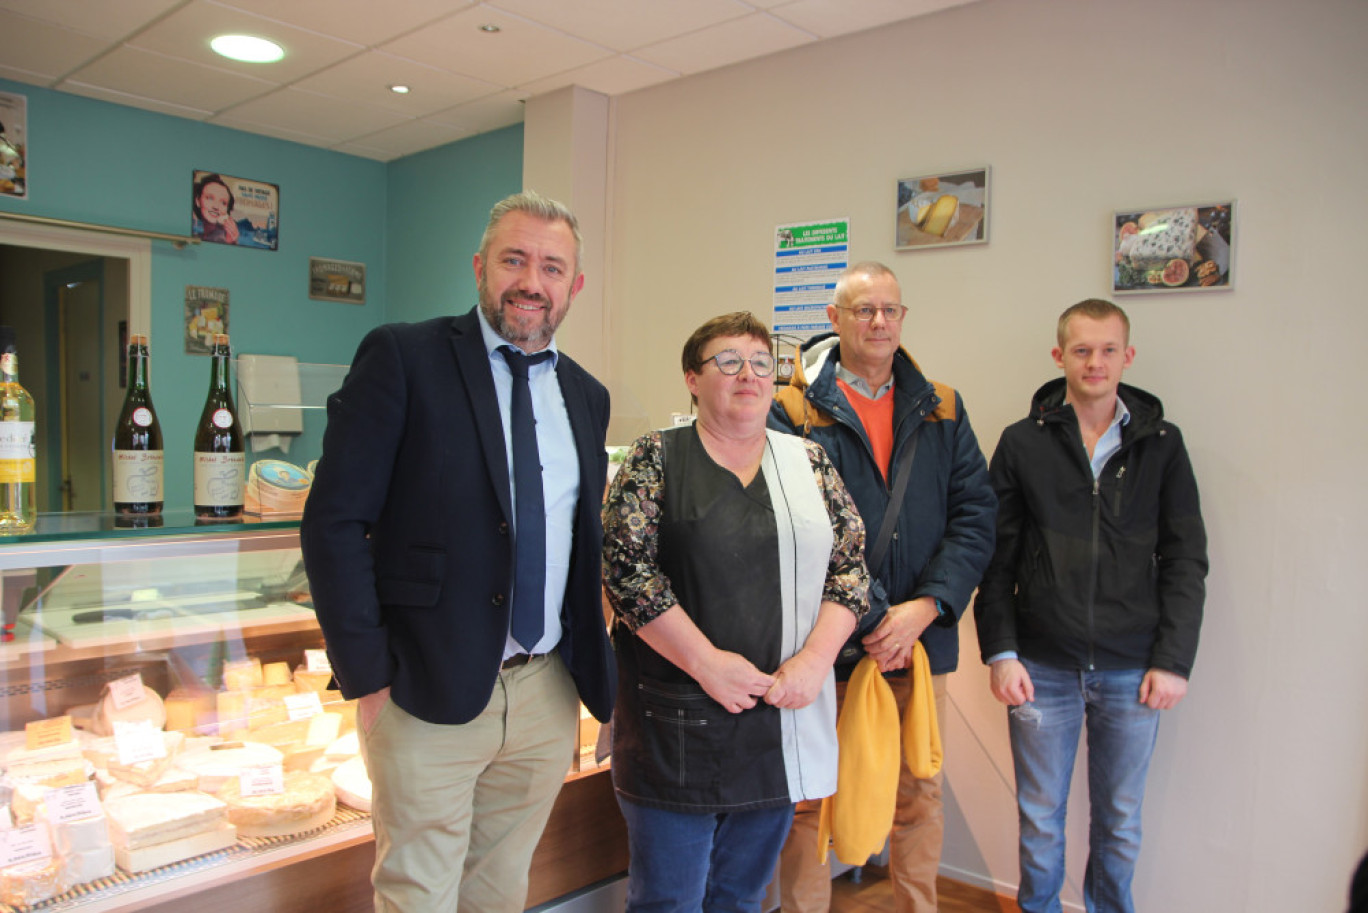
<point x="1258" y="798"/>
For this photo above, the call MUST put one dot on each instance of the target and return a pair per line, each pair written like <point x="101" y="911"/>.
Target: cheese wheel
<point x="216" y="764"/>
<point x="306" y="803"/>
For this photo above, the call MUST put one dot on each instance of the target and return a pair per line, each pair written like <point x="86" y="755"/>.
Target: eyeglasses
<point x="729" y="362"/>
<point x="865" y="312"/>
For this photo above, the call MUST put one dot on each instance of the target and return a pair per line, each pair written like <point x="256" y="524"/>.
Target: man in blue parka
<point x="859" y="394"/>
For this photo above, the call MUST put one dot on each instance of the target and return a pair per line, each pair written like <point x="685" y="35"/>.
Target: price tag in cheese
<point x="24" y="844"/>
<point x="303" y="706"/>
<point x="126" y="691"/>
<point x="47" y="733"/>
<point x="317" y="661"/>
<point x="138" y="742"/>
<point x="6" y="819"/>
<point x="262" y="781"/>
<point x="72" y="803"/>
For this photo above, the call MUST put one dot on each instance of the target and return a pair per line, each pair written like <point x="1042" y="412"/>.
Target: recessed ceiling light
<point x="399" y="90"/>
<point x="247" y="48"/>
<point x="490" y="27"/>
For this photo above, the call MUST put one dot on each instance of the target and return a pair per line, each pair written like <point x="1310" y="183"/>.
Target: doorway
<point x="70" y="294"/>
<point x="74" y="351"/>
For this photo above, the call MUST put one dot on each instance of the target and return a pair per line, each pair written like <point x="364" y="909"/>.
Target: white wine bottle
<point x="137" y="442"/>
<point x="18" y="502"/>
<point x="220" y="458"/>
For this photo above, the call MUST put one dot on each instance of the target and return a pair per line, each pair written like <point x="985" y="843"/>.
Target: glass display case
<point x="148" y="676"/>
<point x="167" y="731"/>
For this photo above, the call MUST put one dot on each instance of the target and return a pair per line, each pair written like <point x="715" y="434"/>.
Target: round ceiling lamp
<point x="247" y="48"/>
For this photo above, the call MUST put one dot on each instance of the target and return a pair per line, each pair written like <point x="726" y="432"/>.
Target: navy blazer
<point x="407" y="533"/>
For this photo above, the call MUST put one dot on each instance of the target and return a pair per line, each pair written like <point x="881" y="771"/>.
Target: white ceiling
<point x="332" y="87"/>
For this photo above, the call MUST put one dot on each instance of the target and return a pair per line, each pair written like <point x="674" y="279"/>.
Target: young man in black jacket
<point x="1090" y="610"/>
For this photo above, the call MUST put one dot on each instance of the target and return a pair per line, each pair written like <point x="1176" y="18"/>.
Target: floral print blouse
<point x="637" y="589"/>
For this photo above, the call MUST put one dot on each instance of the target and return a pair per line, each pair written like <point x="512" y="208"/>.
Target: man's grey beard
<point x="495" y="315"/>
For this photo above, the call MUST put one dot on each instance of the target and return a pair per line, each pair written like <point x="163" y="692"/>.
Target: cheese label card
<point x="127" y="691"/>
<point x="72" y="803"/>
<point x="303" y="706"/>
<point x="47" y="733"/>
<point x="262" y="781"/>
<point x="138" y="741"/>
<point x="317" y="661"/>
<point x="24" y="844"/>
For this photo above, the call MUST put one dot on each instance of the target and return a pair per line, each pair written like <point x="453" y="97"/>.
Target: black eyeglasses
<point x="865" y="312"/>
<point x="729" y="362"/>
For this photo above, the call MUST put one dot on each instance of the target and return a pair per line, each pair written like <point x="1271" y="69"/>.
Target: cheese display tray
<point x="244" y="850"/>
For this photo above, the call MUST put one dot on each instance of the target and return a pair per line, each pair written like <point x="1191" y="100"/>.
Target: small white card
<point x="72" y="803"/>
<point x="317" y="661"/>
<point x="262" y="781"/>
<point x="138" y="741"/>
<point x="303" y="706"/>
<point x="24" y="844"/>
<point x="127" y="691"/>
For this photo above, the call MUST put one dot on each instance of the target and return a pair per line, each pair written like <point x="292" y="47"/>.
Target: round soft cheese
<point x="307" y="802"/>
<point x="217" y="764"/>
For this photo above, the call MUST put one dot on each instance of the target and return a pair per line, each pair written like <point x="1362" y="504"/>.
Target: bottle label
<point x="137" y="476"/>
<point x="142" y="416"/>
<point x="223" y="418"/>
<point x="219" y="478"/>
<point x="16" y="452"/>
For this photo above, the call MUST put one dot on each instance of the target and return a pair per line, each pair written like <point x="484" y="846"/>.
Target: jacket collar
<point x="1147" y="412"/>
<point x="815" y="371"/>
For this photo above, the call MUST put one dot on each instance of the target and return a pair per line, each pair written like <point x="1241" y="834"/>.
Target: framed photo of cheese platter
<point x="1174" y="249"/>
<point x="942" y="210"/>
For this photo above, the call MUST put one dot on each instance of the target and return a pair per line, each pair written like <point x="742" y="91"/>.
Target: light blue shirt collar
<point x="1110" y="441"/>
<point x="493" y="340"/>
<point x="859" y="383"/>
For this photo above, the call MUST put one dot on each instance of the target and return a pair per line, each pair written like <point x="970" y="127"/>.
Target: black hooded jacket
<point x="1105" y="573"/>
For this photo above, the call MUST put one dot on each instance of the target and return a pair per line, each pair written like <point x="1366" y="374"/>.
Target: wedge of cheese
<point x="940" y="215"/>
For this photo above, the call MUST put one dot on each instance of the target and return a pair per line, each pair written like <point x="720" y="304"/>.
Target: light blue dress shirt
<point x="560" y="473"/>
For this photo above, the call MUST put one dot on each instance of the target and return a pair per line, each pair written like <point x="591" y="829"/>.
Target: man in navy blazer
<point x="409" y="542"/>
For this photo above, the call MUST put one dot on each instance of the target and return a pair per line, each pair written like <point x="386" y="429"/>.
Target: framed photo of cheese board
<point x="942" y="210"/>
<point x="1174" y="249"/>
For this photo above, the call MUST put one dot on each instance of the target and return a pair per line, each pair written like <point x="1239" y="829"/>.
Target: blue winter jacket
<point x="943" y="540"/>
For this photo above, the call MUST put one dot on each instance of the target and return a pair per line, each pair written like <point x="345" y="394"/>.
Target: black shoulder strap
<point x="903" y="472"/>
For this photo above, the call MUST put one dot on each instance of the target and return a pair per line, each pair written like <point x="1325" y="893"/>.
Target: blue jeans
<point x="1121" y="736"/>
<point x="683" y="862"/>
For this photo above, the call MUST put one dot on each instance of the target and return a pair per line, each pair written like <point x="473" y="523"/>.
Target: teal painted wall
<point x="439" y="201"/>
<point x="100" y="163"/>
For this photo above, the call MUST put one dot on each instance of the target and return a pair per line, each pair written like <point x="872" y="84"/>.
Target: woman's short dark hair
<point x="737" y="323"/>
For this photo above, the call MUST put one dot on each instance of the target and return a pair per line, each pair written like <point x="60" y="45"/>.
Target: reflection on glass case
<point x="166" y="710"/>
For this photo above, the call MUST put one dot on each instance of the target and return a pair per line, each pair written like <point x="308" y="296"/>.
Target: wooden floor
<point x="874" y="894"/>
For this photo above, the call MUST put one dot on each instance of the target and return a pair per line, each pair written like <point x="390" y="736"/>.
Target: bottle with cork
<point x="220" y="457"/>
<point x="137" y="447"/>
<point x="18" y="491"/>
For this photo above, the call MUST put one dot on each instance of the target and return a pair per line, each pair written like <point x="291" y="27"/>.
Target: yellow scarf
<point x="856" y="820"/>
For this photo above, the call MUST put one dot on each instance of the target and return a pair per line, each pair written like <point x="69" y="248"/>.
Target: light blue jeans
<point x="1121" y="735"/>
<point x="684" y="862"/>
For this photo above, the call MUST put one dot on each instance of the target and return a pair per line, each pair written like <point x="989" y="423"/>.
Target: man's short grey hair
<point x="534" y="204"/>
<point x="872" y="269"/>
